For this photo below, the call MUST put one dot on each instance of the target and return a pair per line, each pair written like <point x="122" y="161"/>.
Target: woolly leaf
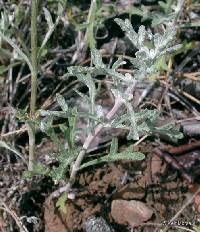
<point x="119" y="122"/>
<point x="114" y="146"/>
<point x="118" y="75"/>
<point x="97" y="59"/>
<point x="38" y="169"/>
<point x="145" y="114"/>
<point x="169" y="130"/>
<point x="141" y="36"/>
<point x="126" y="155"/>
<point x="127" y="27"/>
<point x="62" y="103"/>
<point x="47" y="127"/>
<point x="119" y="62"/>
<point x="69" y="132"/>
<point x="74" y="70"/>
<point x="58" y="173"/>
<point x="60" y="204"/>
<point x="60" y="114"/>
<point x="65" y="159"/>
<point x="89" y="82"/>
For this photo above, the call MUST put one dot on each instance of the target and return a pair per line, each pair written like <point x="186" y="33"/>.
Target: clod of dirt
<point x="130" y="212"/>
<point x="157" y="168"/>
<point x="52" y="221"/>
<point x="96" y="224"/>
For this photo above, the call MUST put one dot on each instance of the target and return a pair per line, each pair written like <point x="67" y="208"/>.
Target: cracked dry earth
<point x="151" y="182"/>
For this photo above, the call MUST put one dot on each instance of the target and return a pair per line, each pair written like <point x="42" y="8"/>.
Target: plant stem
<point x="34" y="71"/>
<point x="88" y="142"/>
<point x="34" y="5"/>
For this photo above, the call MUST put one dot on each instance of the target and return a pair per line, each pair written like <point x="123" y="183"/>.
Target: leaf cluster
<point x="135" y="122"/>
<point x="164" y="13"/>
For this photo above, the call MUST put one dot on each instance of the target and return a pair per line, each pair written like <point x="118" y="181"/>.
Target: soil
<point x="152" y="182"/>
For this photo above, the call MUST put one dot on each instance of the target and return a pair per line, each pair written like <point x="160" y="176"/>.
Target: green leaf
<point x="89" y="82"/>
<point x="114" y="146"/>
<point x="169" y="130"/>
<point x="97" y="59"/>
<point x="119" y="62"/>
<point x="119" y="121"/>
<point x="62" y="103"/>
<point x="128" y="79"/>
<point x="114" y="156"/>
<point x="126" y="155"/>
<point x="69" y="132"/>
<point x="60" y="204"/>
<point x="19" y="14"/>
<point x="136" y="11"/>
<point x="60" y="114"/>
<point x="161" y="64"/>
<point x="17" y="49"/>
<point x="127" y="27"/>
<point x="141" y="36"/>
<point x="47" y="127"/>
<point x="160" y="18"/>
<point x="65" y="159"/>
<point x="38" y="169"/>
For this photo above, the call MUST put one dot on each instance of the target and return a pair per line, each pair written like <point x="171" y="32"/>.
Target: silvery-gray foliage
<point x="145" y="58"/>
<point x="135" y="122"/>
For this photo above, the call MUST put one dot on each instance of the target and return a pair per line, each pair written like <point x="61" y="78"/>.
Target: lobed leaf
<point x="97" y="59"/>
<point x="126" y="155"/>
<point x="62" y="103"/>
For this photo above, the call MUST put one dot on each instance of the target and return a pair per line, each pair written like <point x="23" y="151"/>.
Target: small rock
<point x="96" y="224"/>
<point x="130" y="212"/>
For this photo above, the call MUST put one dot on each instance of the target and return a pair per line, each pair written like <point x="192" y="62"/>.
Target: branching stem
<point x="88" y="142"/>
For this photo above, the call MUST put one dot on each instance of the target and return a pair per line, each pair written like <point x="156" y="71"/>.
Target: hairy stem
<point x="88" y="142"/>
<point x="30" y="126"/>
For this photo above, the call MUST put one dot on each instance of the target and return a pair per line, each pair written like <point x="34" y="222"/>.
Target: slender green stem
<point x="34" y="6"/>
<point x="34" y="62"/>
